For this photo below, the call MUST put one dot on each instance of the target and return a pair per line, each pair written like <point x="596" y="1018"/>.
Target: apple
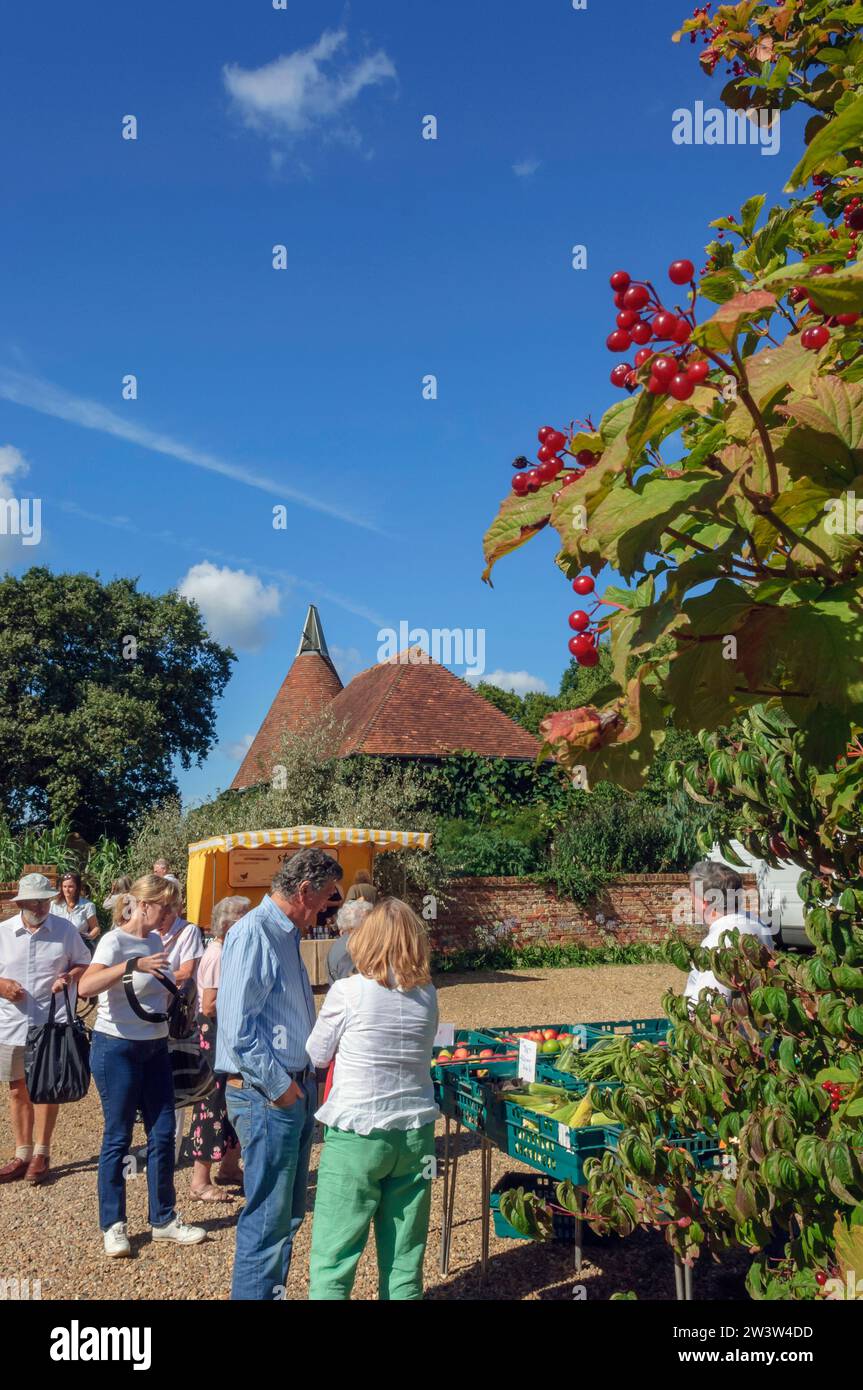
<point x="487" y="1052"/>
<point x="550" y="1045"/>
<point x="444" y="1056"/>
<point x="460" y="1054"/>
<point x="549" y="1033"/>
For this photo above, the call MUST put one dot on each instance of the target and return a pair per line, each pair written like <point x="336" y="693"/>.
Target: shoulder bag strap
<point x="134" y="1002"/>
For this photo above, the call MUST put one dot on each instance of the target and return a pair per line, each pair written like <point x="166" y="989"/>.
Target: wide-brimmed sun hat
<point x="33" y="887"/>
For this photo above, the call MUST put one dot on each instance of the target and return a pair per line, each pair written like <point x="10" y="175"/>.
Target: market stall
<point x="245" y="862"/>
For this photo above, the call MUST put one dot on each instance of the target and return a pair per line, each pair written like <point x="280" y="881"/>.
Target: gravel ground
<point x="50" y="1233"/>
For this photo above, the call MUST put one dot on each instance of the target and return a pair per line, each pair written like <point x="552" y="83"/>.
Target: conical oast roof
<point x="309" y="688"/>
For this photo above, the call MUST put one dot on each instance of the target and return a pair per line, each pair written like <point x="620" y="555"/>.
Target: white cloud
<point x="294" y="95"/>
<point x="238" y="750"/>
<point x="235" y="604"/>
<point x="47" y="399"/>
<point x="520" y="682"/>
<point x="12" y="462"/>
<point x="526" y="167"/>
<point x="13" y="465"/>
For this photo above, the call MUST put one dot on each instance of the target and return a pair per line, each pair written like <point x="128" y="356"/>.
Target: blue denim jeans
<point x="132" y="1076"/>
<point x="276" y="1146"/>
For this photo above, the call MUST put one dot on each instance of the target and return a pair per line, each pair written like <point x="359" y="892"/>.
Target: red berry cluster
<point x="815" y="335"/>
<point x="583" y="645"/>
<point x="710" y="56"/>
<point x="853" y="217"/>
<point x="551" y="444"/>
<point x="676" y="375"/>
<point x="852" y="214"/>
<point x="835" y="1091"/>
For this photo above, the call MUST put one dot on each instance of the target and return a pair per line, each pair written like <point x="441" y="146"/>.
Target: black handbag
<point x="57" y="1058"/>
<point x="192" y="1073"/>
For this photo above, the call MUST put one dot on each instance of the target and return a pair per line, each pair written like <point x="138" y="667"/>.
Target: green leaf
<point x="721" y="286"/>
<point x="629" y="521"/>
<point x="808" y="1152"/>
<point x="787" y="1055"/>
<point x="750" y="213"/>
<point x="844" y="132"/>
<point x="835" y="408"/>
<point x="518" y="520"/>
<point x="855" y="1020"/>
<point x="722" y="328"/>
<point x="837" y="1074"/>
<point x="770" y="371"/>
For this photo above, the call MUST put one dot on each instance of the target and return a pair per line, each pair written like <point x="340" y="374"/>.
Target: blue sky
<point x="405" y="257"/>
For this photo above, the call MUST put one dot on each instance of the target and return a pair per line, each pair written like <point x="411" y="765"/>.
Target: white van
<point x="780" y="903"/>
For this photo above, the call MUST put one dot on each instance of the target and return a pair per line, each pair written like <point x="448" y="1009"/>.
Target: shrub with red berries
<point x="725" y="500"/>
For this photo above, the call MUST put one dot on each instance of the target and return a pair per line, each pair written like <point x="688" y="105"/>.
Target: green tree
<point x="506" y="701"/>
<point x="102" y="690"/>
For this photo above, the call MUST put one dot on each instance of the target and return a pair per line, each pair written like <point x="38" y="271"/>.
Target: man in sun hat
<point x="39" y="954"/>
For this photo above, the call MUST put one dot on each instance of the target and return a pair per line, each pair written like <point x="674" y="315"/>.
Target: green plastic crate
<point x="640" y="1029"/>
<point x="475" y="1103"/>
<point x="562" y="1222"/>
<point x="465" y="1037"/>
<point x="544" y="1144"/>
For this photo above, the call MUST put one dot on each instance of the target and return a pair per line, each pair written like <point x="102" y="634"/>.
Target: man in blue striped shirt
<point x="266" y="1013"/>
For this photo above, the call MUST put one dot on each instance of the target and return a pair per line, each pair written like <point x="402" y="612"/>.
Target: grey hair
<point x="310" y="866"/>
<point x="352" y="914"/>
<point x="708" y="876"/>
<point x="226" y="907"/>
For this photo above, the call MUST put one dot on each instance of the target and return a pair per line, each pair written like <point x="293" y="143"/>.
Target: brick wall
<point x="634" y="908"/>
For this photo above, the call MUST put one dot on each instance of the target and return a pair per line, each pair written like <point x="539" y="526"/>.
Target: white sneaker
<point x="116" y="1240"/>
<point x="177" y="1230"/>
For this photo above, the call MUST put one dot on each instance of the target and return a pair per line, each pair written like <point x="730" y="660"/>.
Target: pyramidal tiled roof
<point x="310" y="686"/>
<point x="410" y="706"/>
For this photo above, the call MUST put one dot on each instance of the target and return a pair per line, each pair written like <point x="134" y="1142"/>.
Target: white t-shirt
<point x="698" y="980"/>
<point x="114" y="1014"/>
<point x="382" y="1077"/>
<point x="80" y="914"/>
<point x="34" y="959"/>
<point x="182" y="942"/>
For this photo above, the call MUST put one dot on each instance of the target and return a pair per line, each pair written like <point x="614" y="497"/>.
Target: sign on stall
<point x="526" y="1060"/>
<point x="445" y="1035"/>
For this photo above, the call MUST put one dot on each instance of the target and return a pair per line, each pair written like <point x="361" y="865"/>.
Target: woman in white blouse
<point x="71" y="903"/>
<point x="378" y="1158"/>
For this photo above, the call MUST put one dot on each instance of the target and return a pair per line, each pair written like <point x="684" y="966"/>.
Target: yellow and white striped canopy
<point x="210" y="876"/>
<point x="301" y="835"/>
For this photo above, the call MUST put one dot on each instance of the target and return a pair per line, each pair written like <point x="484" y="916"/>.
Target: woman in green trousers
<point x="378" y="1160"/>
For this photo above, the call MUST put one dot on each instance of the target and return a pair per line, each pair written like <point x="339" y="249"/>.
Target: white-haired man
<point x="717" y="900"/>
<point x="39" y="954"/>
<point x="348" y="917"/>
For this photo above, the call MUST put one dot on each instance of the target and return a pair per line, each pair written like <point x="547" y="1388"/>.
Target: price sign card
<point x="526" y="1060"/>
<point x="445" y="1035"/>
